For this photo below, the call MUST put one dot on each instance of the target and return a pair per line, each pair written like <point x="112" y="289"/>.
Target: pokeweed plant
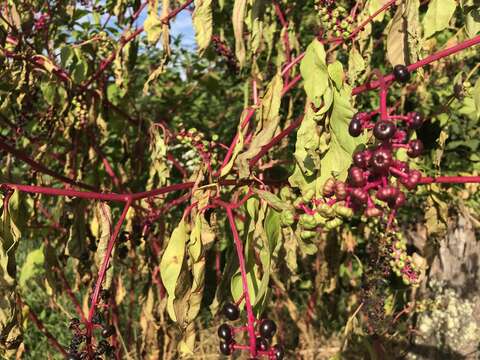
<point x="150" y="203"/>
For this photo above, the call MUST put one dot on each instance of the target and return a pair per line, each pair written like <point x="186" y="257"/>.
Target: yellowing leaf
<point x="171" y="263"/>
<point x="153" y="23"/>
<point x="202" y="22"/>
<point x="238" y="25"/>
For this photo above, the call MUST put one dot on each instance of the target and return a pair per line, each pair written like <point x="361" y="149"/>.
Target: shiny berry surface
<point x="401" y="74"/>
<point x="384" y="130"/>
<point x="381" y="160"/>
<point x="278" y="352"/>
<point x="356" y="177"/>
<point x="267" y="328"/>
<point x="225" y="348"/>
<point x="231" y="311"/>
<point x="225" y="332"/>
<point x="416" y="121"/>
<point x="262" y="344"/>
<point x="355" y="127"/>
<point x="415" y="148"/>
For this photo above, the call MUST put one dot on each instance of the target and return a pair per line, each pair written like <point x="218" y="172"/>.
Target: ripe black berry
<point x="225" y="332"/>
<point x="278" y="352"/>
<point x="262" y="344"/>
<point x="384" y="130"/>
<point x="359" y="160"/>
<point x="355" y="127"/>
<point x="108" y="331"/>
<point x="381" y="160"/>
<point x="225" y="348"/>
<point x="231" y="311"/>
<point x="268" y="328"/>
<point x="415" y="148"/>
<point x="416" y="121"/>
<point x="400" y="200"/>
<point x="401" y="74"/>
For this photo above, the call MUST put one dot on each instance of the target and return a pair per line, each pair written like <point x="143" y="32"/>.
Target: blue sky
<point x="180" y="26"/>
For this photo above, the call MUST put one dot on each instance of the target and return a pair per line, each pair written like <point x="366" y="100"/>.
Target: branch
<point x="428" y="60"/>
<point x="450" y="180"/>
<point x="39" y="167"/>
<point x="42" y="329"/>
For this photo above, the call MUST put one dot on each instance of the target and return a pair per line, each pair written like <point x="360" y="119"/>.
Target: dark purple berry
<point x="360" y="196"/>
<point x="268" y="328"/>
<point x="356" y="178"/>
<point x="225" y="332"/>
<point x="262" y="344"/>
<point x="355" y="127"/>
<point x="381" y="161"/>
<point x="416" y="121"/>
<point x="73" y="356"/>
<point x="278" y="352"/>
<point x="401" y="74"/>
<point x="359" y="160"/>
<point x="384" y="130"/>
<point x="225" y="348"/>
<point x="387" y="193"/>
<point x="231" y="311"/>
<point x="400" y="200"/>
<point x="415" y="148"/>
<point x="108" y="331"/>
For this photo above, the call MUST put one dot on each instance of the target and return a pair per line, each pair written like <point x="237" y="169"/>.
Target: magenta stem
<point x="450" y="180"/>
<point x="434" y="57"/>
<point x="243" y="272"/>
<point x="104" y="267"/>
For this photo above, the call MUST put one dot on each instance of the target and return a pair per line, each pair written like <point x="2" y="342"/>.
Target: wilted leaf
<point x="202" y="22"/>
<point x="438" y="16"/>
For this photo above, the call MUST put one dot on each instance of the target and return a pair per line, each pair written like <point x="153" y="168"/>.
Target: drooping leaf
<point x="153" y="23"/>
<point x="202" y="22"/>
<point x="314" y="72"/>
<point x="238" y="21"/>
<point x="171" y="263"/>
<point x="102" y="229"/>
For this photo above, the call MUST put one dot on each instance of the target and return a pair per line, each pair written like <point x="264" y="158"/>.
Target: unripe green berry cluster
<point x="336" y="20"/>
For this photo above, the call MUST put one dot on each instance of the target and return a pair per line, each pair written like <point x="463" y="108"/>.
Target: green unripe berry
<point x="286" y="193"/>
<point x="333" y="224"/>
<point x="344" y="24"/>
<point x="326" y="210"/>
<point x="320" y="219"/>
<point x="307" y="234"/>
<point x="307" y="221"/>
<point x="343" y="211"/>
<point x="287" y="218"/>
<point x="308" y="195"/>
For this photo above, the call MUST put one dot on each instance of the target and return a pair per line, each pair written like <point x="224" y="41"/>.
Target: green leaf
<point x="335" y="71"/>
<point x="438" y="16"/>
<point x="202" y="22"/>
<point x="171" y="264"/>
<point x="472" y="22"/>
<point x="314" y="72"/>
<point x="273" y="200"/>
<point x="32" y="266"/>
<point x="342" y="146"/>
<point x="238" y="21"/>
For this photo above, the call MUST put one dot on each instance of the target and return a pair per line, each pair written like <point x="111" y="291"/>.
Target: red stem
<point x="39" y="167"/>
<point x="38" y="323"/>
<point x="428" y="60"/>
<point x="104" y="266"/>
<point x="450" y="180"/>
<point x="243" y="272"/>
<point x="275" y="140"/>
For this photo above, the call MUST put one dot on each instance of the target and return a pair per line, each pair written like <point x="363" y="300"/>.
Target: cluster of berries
<point x="41" y="21"/>
<point x="195" y="149"/>
<point x="226" y="53"/>
<point x="374" y="166"/>
<point x="266" y="331"/>
<point x="402" y="264"/>
<point x="77" y="351"/>
<point x="336" y="20"/>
